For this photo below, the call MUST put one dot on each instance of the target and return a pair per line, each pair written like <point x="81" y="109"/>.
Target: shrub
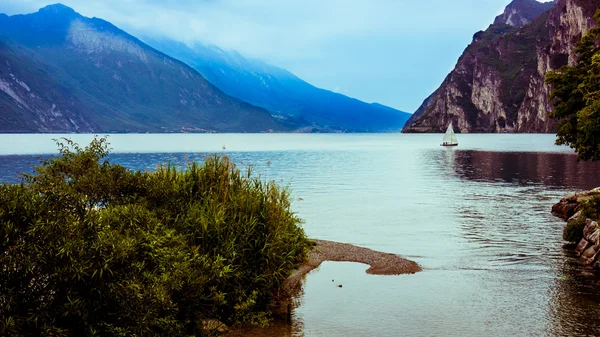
<point x="590" y="209"/>
<point x="573" y="231"/>
<point x="91" y="248"/>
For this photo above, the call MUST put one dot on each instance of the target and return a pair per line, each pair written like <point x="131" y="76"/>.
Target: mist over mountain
<point x="286" y="96"/>
<point x="62" y="72"/>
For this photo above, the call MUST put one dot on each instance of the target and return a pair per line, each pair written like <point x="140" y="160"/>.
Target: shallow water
<point x="476" y="217"/>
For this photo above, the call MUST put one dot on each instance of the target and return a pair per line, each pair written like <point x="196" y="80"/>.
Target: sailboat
<point x="449" y="137"/>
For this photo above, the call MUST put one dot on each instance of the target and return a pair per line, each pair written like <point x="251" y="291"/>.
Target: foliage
<point x="573" y="231"/>
<point x="576" y="98"/>
<point x="590" y="209"/>
<point x="91" y="248"/>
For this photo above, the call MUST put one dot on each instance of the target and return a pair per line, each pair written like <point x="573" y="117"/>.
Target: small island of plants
<point x="90" y="248"/>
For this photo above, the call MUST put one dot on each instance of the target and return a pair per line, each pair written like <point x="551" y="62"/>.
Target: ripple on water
<point x="477" y="218"/>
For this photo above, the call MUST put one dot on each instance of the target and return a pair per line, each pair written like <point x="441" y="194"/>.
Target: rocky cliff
<point x="498" y="82"/>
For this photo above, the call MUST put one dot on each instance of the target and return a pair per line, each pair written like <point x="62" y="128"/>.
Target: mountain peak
<point x="521" y="12"/>
<point x="58" y="8"/>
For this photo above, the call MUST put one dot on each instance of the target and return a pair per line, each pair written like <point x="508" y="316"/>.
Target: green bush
<point x="91" y="248"/>
<point x="573" y="231"/>
<point x="591" y="208"/>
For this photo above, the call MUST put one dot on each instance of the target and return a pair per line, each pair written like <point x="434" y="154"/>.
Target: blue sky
<point x="395" y="52"/>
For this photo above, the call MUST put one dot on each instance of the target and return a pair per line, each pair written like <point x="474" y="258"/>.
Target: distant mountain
<point x="299" y="103"/>
<point x="62" y="72"/>
<point x="521" y="12"/>
<point x="498" y="83"/>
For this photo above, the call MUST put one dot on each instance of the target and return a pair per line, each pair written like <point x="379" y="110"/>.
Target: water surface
<point x="476" y="217"/>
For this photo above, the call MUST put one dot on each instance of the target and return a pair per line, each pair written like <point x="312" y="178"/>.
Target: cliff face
<point x="498" y="82"/>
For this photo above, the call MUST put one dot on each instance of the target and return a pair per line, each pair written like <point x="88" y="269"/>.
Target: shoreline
<point x="380" y="263"/>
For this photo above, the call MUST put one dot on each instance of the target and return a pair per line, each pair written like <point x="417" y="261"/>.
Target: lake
<point x="475" y="217"/>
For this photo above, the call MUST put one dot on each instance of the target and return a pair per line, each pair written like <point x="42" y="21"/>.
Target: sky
<point x="394" y="52"/>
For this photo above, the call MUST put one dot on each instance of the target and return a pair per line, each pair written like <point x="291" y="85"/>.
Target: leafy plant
<point x="590" y="209"/>
<point x="576" y="98"/>
<point x="573" y="231"/>
<point x="91" y="248"/>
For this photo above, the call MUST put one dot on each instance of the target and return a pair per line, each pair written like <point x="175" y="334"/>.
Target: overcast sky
<point x="395" y="52"/>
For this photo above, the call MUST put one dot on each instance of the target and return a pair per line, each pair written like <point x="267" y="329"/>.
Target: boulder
<point x="590" y="227"/>
<point x="213" y="326"/>
<point x="589" y="253"/>
<point x="594" y="238"/>
<point x="568" y="206"/>
<point x="582" y="246"/>
<point x="575" y="216"/>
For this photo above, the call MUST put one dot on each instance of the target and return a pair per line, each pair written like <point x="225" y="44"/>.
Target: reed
<point x="88" y="247"/>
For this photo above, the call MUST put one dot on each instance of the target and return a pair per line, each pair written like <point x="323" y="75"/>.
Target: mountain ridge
<point x="283" y="93"/>
<point x="498" y="82"/>
<point x="115" y="81"/>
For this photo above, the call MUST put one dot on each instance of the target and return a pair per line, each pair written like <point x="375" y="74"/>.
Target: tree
<point x="576" y="98"/>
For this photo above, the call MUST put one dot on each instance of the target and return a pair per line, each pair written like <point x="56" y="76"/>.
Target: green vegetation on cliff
<point x="576" y="98"/>
<point x="91" y="248"/>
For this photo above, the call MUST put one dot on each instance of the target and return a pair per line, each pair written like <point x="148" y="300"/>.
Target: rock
<point x="582" y="246"/>
<point x="565" y="208"/>
<point x="586" y="274"/>
<point x="568" y="206"/>
<point x="594" y="238"/>
<point x="575" y="217"/>
<point x="589" y="229"/>
<point x="592" y="261"/>
<point x="212" y="325"/>
<point x="589" y="252"/>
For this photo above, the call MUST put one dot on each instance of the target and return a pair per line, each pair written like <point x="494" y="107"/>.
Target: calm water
<point x="476" y="217"/>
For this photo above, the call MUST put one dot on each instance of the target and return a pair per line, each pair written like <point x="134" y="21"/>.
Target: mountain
<point x="498" y="82"/>
<point x="299" y="103"/>
<point x="62" y="72"/>
<point x="521" y="12"/>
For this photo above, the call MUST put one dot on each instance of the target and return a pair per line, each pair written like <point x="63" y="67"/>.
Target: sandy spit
<point x="381" y="263"/>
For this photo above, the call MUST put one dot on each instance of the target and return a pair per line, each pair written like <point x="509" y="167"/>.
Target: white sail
<point x="450" y="137"/>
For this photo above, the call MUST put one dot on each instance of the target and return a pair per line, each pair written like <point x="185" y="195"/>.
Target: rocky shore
<point x="589" y="247"/>
<point x="569" y="209"/>
<point x="568" y="206"/>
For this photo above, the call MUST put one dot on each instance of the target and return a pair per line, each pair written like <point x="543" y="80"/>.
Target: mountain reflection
<point x="574" y="301"/>
<point x="550" y="169"/>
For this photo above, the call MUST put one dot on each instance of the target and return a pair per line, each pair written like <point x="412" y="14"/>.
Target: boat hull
<point x="449" y="144"/>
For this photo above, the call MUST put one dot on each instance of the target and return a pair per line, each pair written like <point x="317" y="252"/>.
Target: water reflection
<point x="574" y="297"/>
<point x="523" y="237"/>
<point x="525" y="168"/>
